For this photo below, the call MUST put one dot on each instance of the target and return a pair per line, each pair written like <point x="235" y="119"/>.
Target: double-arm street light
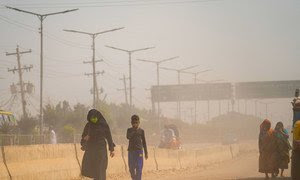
<point x="157" y="76"/>
<point x="179" y="71"/>
<point x="195" y="82"/>
<point x="130" y="52"/>
<point x="93" y="36"/>
<point x="41" y="17"/>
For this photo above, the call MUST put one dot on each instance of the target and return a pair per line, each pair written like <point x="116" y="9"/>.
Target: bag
<point x="83" y="141"/>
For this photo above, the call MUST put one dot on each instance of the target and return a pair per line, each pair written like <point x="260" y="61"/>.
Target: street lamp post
<point x="41" y="17"/>
<point x="93" y="36"/>
<point x="130" y="52"/>
<point x="157" y="74"/>
<point x="179" y="71"/>
<point x="195" y="82"/>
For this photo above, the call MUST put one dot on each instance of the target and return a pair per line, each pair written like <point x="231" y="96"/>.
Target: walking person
<point x="137" y="143"/>
<point x="95" y="134"/>
<point x="266" y="147"/>
<point x="53" y="139"/>
<point x="283" y="147"/>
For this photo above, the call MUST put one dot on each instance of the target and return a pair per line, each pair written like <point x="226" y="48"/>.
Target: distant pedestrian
<point x="282" y="147"/>
<point x="53" y="139"/>
<point x="95" y="134"/>
<point x="137" y="142"/>
<point x="266" y="149"/>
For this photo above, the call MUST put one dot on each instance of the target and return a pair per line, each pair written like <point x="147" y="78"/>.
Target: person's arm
<point x="130" y="133"/>
<point x="285" y="133"/>
<point x="111" y="145"/>
<point x="144" y="144"/>
<point x="84" y="134"/>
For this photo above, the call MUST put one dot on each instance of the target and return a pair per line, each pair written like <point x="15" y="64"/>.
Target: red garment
<point x="266" y="124"/>
<point x="266" y="148"/>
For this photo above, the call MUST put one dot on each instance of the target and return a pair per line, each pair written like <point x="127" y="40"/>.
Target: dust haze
<point x="174" y="63"/>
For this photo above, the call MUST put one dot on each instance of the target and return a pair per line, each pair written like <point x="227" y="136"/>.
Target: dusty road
<point x="243" y="167"/>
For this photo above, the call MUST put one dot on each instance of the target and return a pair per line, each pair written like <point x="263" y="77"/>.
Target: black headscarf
<point x="96" y="113"/>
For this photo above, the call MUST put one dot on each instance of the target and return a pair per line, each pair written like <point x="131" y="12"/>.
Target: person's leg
<point x="103" y="164"/>
<point x="281" y="174"/>
<point x="131" y="164"/>
<point x="267" y="176"/>
<point x="140" y="162"/>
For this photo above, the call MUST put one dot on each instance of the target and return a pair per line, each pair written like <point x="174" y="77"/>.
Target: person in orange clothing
<point x="267" y="149"/>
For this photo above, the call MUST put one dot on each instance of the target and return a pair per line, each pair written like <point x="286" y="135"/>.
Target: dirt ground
<point x="244" y="167"/>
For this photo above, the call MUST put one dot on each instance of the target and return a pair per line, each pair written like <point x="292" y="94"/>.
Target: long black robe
<point x="94" y="162"/>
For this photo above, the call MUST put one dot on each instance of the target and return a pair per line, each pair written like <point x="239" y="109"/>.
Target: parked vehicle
<point x="295" y="166"/>
<point x="8" y="122"/>
<point x="170" y="138"/>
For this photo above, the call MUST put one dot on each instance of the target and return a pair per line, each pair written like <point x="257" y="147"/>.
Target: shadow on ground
<point x="262" y="178"/>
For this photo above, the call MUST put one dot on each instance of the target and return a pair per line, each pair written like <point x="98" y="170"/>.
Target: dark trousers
<point x="135" y="163"/>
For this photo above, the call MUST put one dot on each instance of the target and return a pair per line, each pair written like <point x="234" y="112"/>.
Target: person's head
<point x="279" y="126"/>
<point x="135" y="121"/>
<point x="297" y="93"/>
<point x="94" y="116"/>
<point x="265" y="125"/>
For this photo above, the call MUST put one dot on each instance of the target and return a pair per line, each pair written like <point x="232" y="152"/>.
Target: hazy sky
<point x="241" y="40"/>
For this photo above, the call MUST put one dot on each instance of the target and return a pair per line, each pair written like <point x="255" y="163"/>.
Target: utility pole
<point x="179" y="71"/>
<point x="19" y="69"/>
<point x="195" y="82"/>
<point x="93" y="62"/>
<point x="125" y="88"/>
<point x="41" y="17"/>
<point x="130" y="52"/>
<point x="157" y="76"/>
<point x="94" y="74"/>
<point x="95" y="90"/>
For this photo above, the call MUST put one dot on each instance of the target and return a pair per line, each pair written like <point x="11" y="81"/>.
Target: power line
<point x="32" y="104"/>
<point x="125" y="88"/>
<point x="12" y="102"/>
<point x="47" y="34"/>
<point x="124" y="4"/>
<point x="157" y="63"/>
<point x="130" y="52"/>
<point x="65" y="3"/>
<point x="93" y="61"/>
<point x="195" y="82"/>
<point x="58" y="59"/>
<point x="179" y="71"/>
<point x="41" y="17"/>
<point x="4" y="104"/>
<point x="19" y="70"/>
